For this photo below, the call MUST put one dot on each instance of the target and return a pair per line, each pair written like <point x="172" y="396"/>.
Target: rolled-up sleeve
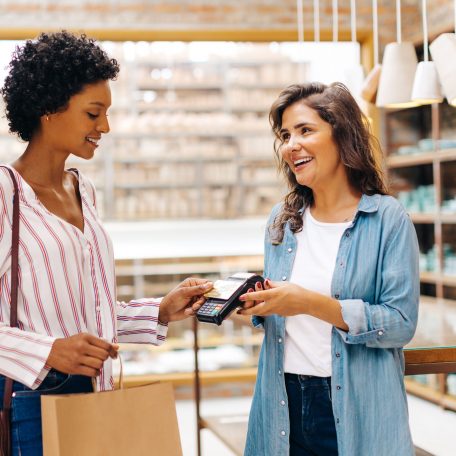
<point x="390" y="322"/>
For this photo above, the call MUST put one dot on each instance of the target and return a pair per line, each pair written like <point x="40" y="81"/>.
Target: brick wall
<point x="220" y="15"/>
<point x="195" y="14"/>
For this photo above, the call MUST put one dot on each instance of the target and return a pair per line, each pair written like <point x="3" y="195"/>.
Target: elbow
<point x="394" y="337"/>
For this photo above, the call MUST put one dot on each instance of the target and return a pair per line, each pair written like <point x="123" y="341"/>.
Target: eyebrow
<point x="98" y="103"/>
<point x="299" y="125"/>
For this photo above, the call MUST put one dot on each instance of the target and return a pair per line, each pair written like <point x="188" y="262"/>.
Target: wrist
<point x="163" y="317"/>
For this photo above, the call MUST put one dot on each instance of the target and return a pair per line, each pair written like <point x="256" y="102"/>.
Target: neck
<point x="336" y="204"/>
<point x="41" y="165"/>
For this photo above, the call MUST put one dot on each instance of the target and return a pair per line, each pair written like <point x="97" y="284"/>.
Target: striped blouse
<point x="66" y="286"/>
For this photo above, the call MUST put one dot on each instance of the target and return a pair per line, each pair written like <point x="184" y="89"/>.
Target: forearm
<point x="325" y="308"/>
<point x="138" y="322"/>
<point x="23" y="355"/>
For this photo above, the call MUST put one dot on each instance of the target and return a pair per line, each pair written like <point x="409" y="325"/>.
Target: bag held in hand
<point x="137" y="421"/>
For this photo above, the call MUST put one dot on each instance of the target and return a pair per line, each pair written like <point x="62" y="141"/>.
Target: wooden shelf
<point x="418" y="217"/>
<point x="425" y="158"/>
<point x="245" y="374"/>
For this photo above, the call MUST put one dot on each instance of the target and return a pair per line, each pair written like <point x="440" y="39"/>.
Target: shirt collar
<point x="367" y="203"/>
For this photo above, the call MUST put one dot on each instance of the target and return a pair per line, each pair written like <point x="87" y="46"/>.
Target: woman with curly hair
<point x="341" y="298"/>
<point x="57" y="96"/>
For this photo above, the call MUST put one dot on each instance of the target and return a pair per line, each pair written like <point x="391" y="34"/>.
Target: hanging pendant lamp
<point x="426" y="86"/>
<point x="443" y="51"/>
<point x="398" y="71"/>
<point x="370" y="85"/>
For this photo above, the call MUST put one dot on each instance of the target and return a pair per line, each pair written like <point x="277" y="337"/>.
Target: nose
<point x="103" y="125"/>
<point x="293" y="144"/>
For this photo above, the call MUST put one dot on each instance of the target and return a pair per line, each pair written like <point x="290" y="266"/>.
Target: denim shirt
<point x="376" y="280"/>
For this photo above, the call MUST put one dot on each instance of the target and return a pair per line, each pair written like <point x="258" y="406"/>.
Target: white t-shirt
<point x="308" y="339"/>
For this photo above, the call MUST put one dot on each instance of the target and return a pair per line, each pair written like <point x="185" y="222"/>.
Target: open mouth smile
<point x="302" y="162"/>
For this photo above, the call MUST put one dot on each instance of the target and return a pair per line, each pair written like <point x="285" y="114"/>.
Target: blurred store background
<point x="187" y="175"/>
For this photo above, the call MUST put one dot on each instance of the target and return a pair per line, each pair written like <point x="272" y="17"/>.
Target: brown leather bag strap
<point x="13" y="311"/>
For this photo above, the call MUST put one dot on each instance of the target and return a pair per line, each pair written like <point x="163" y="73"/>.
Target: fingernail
<point x="267" y="281"/>
<point x="250" y="290"/>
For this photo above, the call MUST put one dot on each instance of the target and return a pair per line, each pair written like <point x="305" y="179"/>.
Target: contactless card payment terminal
<point x="224" y="297"/>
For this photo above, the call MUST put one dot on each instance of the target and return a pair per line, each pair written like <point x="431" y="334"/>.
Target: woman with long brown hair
<point x="341" y="294"/>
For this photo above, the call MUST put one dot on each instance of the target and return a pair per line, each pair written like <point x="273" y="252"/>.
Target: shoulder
<point x="6" y="184"/>
<point x="87" y="184"/>
<point x="393" y="219"/>
<point x="391" y="209"/>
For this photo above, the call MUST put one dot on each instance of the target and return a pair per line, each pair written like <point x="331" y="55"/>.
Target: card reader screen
<point x="223" y="289"/>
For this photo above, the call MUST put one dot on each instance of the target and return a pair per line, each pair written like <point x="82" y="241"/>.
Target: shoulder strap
<point x="14" y="250"/>
<point x="5" y="413"/>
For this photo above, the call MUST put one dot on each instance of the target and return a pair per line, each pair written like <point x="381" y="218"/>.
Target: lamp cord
<point x="425" y="32"/>
<point x="375" y="27"/>
<point x="316" y="8"/>
<point x="353" y="20"/>
<point x="300" y="19"/>
<point x="398" y="21"/>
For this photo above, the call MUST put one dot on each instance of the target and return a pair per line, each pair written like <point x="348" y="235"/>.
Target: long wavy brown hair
<point x="351" y="133"/>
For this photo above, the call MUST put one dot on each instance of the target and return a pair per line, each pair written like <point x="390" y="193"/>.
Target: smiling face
<point x="308" y="148"/>
<point x="78" y="128"/>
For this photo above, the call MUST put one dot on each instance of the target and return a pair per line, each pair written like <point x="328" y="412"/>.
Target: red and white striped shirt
<point x="67" y="286"/>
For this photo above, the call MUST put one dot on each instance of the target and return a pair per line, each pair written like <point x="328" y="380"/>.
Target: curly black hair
<point x="45" y="73"/>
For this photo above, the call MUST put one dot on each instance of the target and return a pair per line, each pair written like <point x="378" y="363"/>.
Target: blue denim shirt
<point x="376" y="280"/>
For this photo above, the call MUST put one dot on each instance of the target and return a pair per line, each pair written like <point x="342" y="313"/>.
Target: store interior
<point x="187" y="176"/>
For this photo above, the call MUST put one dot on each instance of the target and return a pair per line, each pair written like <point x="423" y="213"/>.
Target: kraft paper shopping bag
<point x="134" y="421"/>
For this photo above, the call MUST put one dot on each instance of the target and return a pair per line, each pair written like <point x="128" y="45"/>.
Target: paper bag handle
<point x="121" y="378"/>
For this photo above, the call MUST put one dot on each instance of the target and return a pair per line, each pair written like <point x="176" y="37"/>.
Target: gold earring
<point x="47" y="117"/>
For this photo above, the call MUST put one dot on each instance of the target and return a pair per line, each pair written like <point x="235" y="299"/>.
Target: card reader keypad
<point x="210" y="308"/>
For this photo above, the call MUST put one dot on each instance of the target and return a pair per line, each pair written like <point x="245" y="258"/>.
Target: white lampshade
<point x="396" y="79"/>
<point x="443" y="51"/>
<point x="426" y="86"/>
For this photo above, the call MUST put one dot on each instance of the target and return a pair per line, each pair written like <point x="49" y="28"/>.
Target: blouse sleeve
<point x="23" y="354"/>
<point x="137" y="322"/>
<point x="390" y="322"/>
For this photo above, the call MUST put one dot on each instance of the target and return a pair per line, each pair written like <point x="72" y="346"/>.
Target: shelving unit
<point x="421" y="164"/>
<point x="190" y="137"/>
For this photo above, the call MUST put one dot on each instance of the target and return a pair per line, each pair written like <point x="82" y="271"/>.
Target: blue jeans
<point x="312" y="427"/>
<point x="26" y="436"/>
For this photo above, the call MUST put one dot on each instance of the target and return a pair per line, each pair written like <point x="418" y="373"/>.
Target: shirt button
<point x="380" y="333"/>
<point x="336" y="296"/>
<point x="280" y="340"/>
<point x="97" y="308"/>
<point x="280" y="372"/>
<point x="347" y="234"/>
<point x="290" y="250"/>
<point x="337" y="355"/>
<point x="282" y="433"/>
<point x="338" y="387"/>
<point x="284" y="278"/>
<point x="282" y="402"/>
<point x="337" y="421"/>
